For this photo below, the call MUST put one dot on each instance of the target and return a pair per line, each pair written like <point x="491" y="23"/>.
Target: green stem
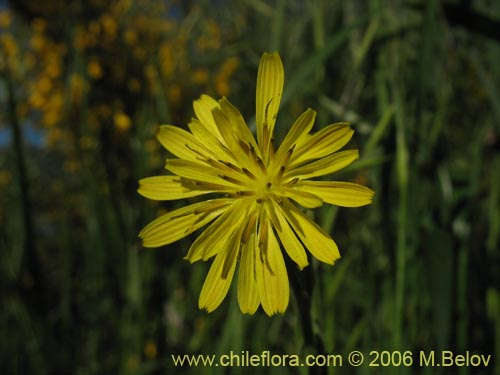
<point x="30" y="258"/>
<point x="303" y="284"/>
<point x="402" y="167"/>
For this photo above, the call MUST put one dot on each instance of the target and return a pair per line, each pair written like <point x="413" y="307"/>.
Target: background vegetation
<point x="83" y="88"/>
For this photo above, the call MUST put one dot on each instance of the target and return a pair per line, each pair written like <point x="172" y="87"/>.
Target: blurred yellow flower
<point x="44" y="85"/>
<point x="94" y="69"/>
<point x="8" y="45"/>
<point x="53" y="69"/>
<point x="211" y="38"/>
<point x="222" y="86"/>
<point x="77" y="87"/>
<point x="200" y="76"/>
<point x="80" y="38"/>
<point x="130" y="36"/>
<point x="230" y="65"/>
<point x="134" y="85"/>
<point x="5" y="177"/>
<point x="122" y="121"/>
<point x="174" y="94"/>
<point x="38" y="25"/>
<point x="150" y="350"/>
<point x="259" y="185"/>
<point x="51" y="117"/>
<point x="167" y="60"/>
<point x="5" y="19"/>
<point x="222" y="78"/>
<point x="37" y="42"/>
<point x="36" y="100"/>
<point x="109" y="25"/>
<point x="29" y="60"/>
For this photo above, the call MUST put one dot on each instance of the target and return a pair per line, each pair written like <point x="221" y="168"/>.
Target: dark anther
<point x="282" y="170"/>
<point x="248" y="173"/>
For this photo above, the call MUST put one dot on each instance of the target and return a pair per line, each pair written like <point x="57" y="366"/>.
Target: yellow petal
<point x="229" y="134"/>
<point x="248" y="295"/>
<point x="179" y="223"/>
<point x="324" y="166"/>
<point x="238" y="123"/>
<point x="270" y="79"/>
<point x="345" y="194"/>
<point x="299" y="129"/>
<point x="215" y="237"/>
<point x="328" y="140"/>
<point x="199" y="172"/>
<point x="233" y="249"/>
<point x="181" y="143"/>
<point x="272" y="278"/>
<point x="165" y="188"/>
<point x="291" y="243"/>
<point x="302" y="197"/>
<point x="203" y="109"/>
<point x="312" y="236"/>
<point x="213" y="143"/>
<point x="215" y="288"/>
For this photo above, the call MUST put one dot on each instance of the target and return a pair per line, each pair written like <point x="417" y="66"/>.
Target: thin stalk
<point x="303" y="285"/>
<point x="30" y="258"/>
<point x="402" y="214"/>
<point x="33" y="296"/>
<point x="277" y="26"/>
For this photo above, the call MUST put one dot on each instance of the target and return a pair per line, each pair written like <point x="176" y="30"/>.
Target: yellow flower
<point x="122" y="121"/>
<point x="200" y="76"/>
<point x="150" y="350"/>
<point x="5" y="19"/>
<point x="94" y="69"/>
<point x="259" y="185"/>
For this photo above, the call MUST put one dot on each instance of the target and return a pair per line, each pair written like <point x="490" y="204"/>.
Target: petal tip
<point x="203" y="307"/>
<point x="188" y="258"/>
<point x="248" y="311"/>
<point x="302" y="266"/>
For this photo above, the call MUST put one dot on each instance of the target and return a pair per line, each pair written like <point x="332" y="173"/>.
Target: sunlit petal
<point x="216" y="284"/>
<point x="240" y="128"/>
<point x="217" y="234"/>
<point x="292" y="245"/>
<point x="312" y="236"/>
<point x="181" y="143"/>
<point x="270" y="80"/>
<point x="165" y="188"/>
<point x="323" y="143"/>
<point x="229" y="134"/>
<point x="345" y="194"/>
<point x="199" y="172"/>
<point x="328" y="165"/>
<point x="302" y="197"/>
<point x="216" y="145"/>
<point x="248" y="295"/>
<point x="299" y="129"/>
<point x="179" y="223"/>
<point x="272" y="278"/>
<point x="203" y="109"/>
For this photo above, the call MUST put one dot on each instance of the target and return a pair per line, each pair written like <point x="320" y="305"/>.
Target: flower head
<point x="260" y="186"/>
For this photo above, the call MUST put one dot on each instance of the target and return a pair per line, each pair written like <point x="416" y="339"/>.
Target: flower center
<point x="264" y="187"/>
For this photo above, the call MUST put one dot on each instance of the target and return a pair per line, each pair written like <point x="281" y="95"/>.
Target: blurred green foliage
<point x="92" y="80"/>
